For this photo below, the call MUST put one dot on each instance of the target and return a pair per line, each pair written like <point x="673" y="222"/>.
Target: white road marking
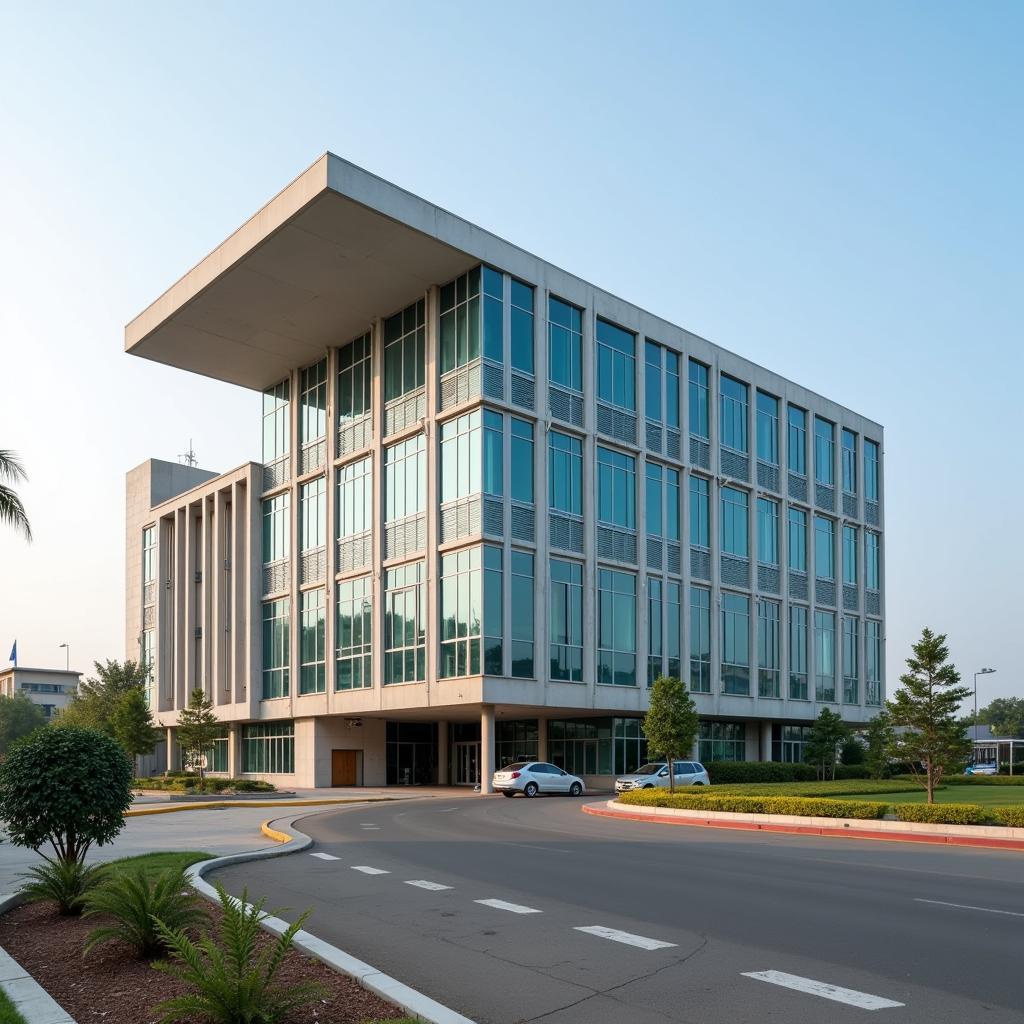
<point x="422" y="883"/>
<point x="967" y="906"/>
<point x="627" y="938"/>
<point x="514" y="908"/>
<point x="325" y="856"/>
<point x="369" y="871"/>
<point x="863" y="1000"/>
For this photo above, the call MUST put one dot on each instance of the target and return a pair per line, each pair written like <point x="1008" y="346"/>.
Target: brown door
<point x="344" y="767"/>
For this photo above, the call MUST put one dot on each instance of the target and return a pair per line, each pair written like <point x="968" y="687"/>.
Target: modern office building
<point x="494" y="503"/>
<point x="50" y="688"/>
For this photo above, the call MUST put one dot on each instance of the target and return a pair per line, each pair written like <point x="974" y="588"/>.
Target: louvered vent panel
<point x="768" y="476"/>
<point x="700" y="452"/>
<point x="493" y="382"/>
<point x="735" y="571"/>
<point x="148" y="617"/>
<point x="700" y="563"/>
<point x="825" y="497"/>
<point x="565" y="532"/>
<point x="769" y="579"/>
<point x="674" y="445"/>
<point x="617" y="545"/>
<point x="523" y="522"/>
<point x="275" y="473"/>
<point x="523" y="391"/>
<point x="566" y="406"/>
<point x="735" y="465"/>
<point x="460" y="385"/>
<point x="653" y="434"/>
<point x="674" y="559"/>
<point x="616" y="423"/>
<point x="825" y="592"/>
<point x="655" y="554"/>
<point x="406" y="536"/>
<point x="460" y="518"/>
<point x="312" y="456"/>
<point x="313" y="567"/>
<point x="149" y="593"/>
<point x="850" y="505"/>
<point x="276" y="576"/>
<point x="403" y="412"/>
<point x="355" y="434"/>
<point x="494" y="517"/>
<point x="871" y="512"/>
<point x="797" y="487"/>
<point x="798" y="586"/>
<point x="355" y="552"/>
<point x="873" y="602"/>
<point x="851" y="599"/>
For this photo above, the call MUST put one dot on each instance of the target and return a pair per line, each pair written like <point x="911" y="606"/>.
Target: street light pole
<point x="67" y="657"/>
<point x="981" y="672"/>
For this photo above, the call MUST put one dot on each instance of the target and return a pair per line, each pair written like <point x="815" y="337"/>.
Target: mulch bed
<point x="111" y="986"/>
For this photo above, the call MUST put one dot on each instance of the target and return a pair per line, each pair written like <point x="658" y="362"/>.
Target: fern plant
<point x="134" y="901"/>
<point x="66" y="882"/>
<point x="232" y="973"/>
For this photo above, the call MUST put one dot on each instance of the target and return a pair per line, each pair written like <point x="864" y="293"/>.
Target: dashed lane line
<point x="422" y="883"/>
<point x="863" y="1000"/>
<point x="513" y="908"/>
<point x="626" y="938"/>
<point x="368" y="870"/>
<point x="967" y="906"/>
<point x="325" y="856"/>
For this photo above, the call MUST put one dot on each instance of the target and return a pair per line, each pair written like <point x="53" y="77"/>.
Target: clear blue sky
<point x="833" y="190"/>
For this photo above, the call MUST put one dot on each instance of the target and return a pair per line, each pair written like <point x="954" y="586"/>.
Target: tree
<point x="1005" y="716"/>
<point x="18" y="717"/>
<point x="133" y="726"/>
<point x="880" y="740"/>
<point x="97" y="697"/>
<point x="924" y="712"/>
<point x="822" y="748"/>
<point x="671" y="724"/>
<point x="66" y="787"/>
<point x="852" y="751"/>
<point x="197" y="729"/>
<point x="12" y="511"/>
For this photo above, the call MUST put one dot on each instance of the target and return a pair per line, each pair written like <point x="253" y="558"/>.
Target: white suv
<point x="655" y="776"/>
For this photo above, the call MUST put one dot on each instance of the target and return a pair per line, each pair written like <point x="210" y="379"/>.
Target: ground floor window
<point x="268" y="748"/>
<point x="630" y="745"/>
<point x="722" y="741"/>
<point x="216" y="756"/>
<point x="411" y="749"/>
<point x="516" y="741"/>
<point x="788" y="742"/>
<point x="581" y="746"/>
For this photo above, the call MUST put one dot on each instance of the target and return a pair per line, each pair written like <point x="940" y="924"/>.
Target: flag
<point x="14" y="653"/>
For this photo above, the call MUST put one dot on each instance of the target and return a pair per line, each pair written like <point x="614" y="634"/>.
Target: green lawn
<point x="154" y="863"/>
<point x="984" y="796"/>
<point x="8" y="1014"/>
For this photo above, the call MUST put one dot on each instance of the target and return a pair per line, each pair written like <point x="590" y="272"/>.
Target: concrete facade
<point x="333" y="258"/>
<point x="50" y="688"/>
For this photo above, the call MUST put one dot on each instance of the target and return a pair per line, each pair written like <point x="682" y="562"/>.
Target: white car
<point x="655" y="776"/>
<point x="982" y="769"/>
<point x="533" y="777"/>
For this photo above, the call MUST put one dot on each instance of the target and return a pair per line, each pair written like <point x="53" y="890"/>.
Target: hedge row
<point x="864" y="787"/>
<point x="190" y="784"/>
<point x="726" y="772"/>
<point x="1011" y="816"/>
<point x="943" y="814"/>
<point x="706" y="801"/>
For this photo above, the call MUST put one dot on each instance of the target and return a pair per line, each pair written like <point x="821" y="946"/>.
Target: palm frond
<point x="11" y="466"/>
<point x="12" y="512"/>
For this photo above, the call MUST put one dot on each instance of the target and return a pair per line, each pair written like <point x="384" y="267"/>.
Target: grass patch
<point x="153" y="863"/>
<point x="992" y="796"/>
<point x="839" y="787"/>
<point x="8" y="1014"/>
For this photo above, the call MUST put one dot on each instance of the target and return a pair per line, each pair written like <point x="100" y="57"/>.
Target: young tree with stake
<point x="671" y="724"/>
<point x="197" y="729"/>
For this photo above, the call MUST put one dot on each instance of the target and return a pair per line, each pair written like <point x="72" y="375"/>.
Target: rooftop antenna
<point x="189" y="458"/>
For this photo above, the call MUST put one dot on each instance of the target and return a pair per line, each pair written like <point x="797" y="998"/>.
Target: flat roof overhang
<point x="336" y="248"/>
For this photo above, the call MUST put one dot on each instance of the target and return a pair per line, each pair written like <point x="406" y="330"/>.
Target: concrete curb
<point x="221" y="804"/>
<point x="30" y="999"/>
<point x="843" y="828"/>
<point x="414" y="1003"/>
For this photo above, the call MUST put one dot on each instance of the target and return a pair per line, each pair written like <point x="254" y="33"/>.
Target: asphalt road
<point x="680" y="917"/>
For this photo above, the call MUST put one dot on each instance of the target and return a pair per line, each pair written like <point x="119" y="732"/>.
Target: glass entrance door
<point x="467" y="764"/>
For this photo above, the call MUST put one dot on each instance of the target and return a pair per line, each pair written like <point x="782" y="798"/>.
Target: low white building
<point x="50" y="688"/>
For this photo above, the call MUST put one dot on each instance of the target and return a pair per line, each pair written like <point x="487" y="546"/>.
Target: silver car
<point x="655" y="776"/>
<point x="533" y="777"/>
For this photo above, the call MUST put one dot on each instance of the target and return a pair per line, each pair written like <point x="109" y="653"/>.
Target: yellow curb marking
<point x="221" y="804"/>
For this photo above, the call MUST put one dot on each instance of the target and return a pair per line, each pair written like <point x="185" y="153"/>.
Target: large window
<point x="565" y="473"/>
<point x="355" y="498"/>
<point x="276" y="422"/>
<point x="630" y="745"/>
<point x="149" y="554"/>
<point x="268" y="748"/>
<point x="874" y="664"/>
<point x="700" y="640"/>
<point x="566" y="621"/>
<point x="850" y="555"/>
<point x="825" y="656"/>
<point x="673" y="630"/>
<point x="312" y="642"/>
<point x="870" y="470"/>
<point x="849" y="439"/>
<point x="522" y="327"/>
<point x="722" y="741"/>
<point x="522" y="596"/>
<point x="405" y="478"/>
<point x="655" y="499"/>
<point x="276" y="648"/>
<point x="661" y="384"/>
<point x="789" y="742"/>
<point x="851" y="661"/>
<point x="652" y="381"/>
<point x="824" y="549"/>
<point x="699" y="399"/>
<point x="354" y="642"/>
<point x="521" y="448"/>
<point x="734" y="522"/>
<point x="148" y="655"/>
<point x="461" y="458"/>
<point x="581" y="746"/>
<point x="769" y="660"/>
<point x="798" y="653"/>
<point x="405" y="336"/>
<point x="736" y="644"/>
<point x="565" y="344"/>
<point x="824" y="451"/>
<point x="276" y="529"/>
<point x="616" y="365"/>
<point x="494" y="453"/>
<point x="616" y="631"/>
<point x="700" y="512"/>
<point x="313" y="514"/>
<point x="796" y="446"/>
<point x="515" y="740"/>
<point x="733" y="414"/>
<point x="797" y="540"/>
<point x="655" y="647"/>
<point x="460" y="324"/>
<point x="616" y="488"/>
<point x="767" y="531"/>
<point x="494" y="315"/>
<point x="872" y="572"/>
<point x="471" y="616"/>
<point x="405" y="615"/>
<point x="313" y="402"/>
<point x="355" y="377"/>
<point x="767" y="428"/>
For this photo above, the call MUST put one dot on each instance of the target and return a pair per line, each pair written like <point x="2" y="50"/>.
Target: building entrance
<point x="467" y="764"/>
<point x="411" y="753"/>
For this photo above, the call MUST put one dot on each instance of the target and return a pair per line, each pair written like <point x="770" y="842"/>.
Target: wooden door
<point x="344" y="767"/>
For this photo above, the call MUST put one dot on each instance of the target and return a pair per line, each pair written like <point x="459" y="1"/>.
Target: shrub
<point x="852" y="751"/>
<point x="66" y="882"/>
<point x="709" y="801"/>
<point x="232" y="975"/>
<point x="942" y="814"/>
<point x="66" y="787"/>
<point x="134" y="901"/>
<point x="1011" y="816"/>
<point x="838" y="787"/>
<point x="723" y="772"/>
<point x="853" y="771"/>
<point x="191" y="784"/>
<point x="985" y="780"/>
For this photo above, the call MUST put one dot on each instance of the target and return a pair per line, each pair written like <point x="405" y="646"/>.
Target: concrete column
<point x="766" y="741"/>
<point x="444" y="756"/>
<point x="234" y="751"/>
<point x="542" y="739"/>
<point x="170" y="749"/>
<point x="486" y="748"/>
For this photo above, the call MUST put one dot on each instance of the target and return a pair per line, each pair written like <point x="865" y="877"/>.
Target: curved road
<point x="529" y="910"/>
